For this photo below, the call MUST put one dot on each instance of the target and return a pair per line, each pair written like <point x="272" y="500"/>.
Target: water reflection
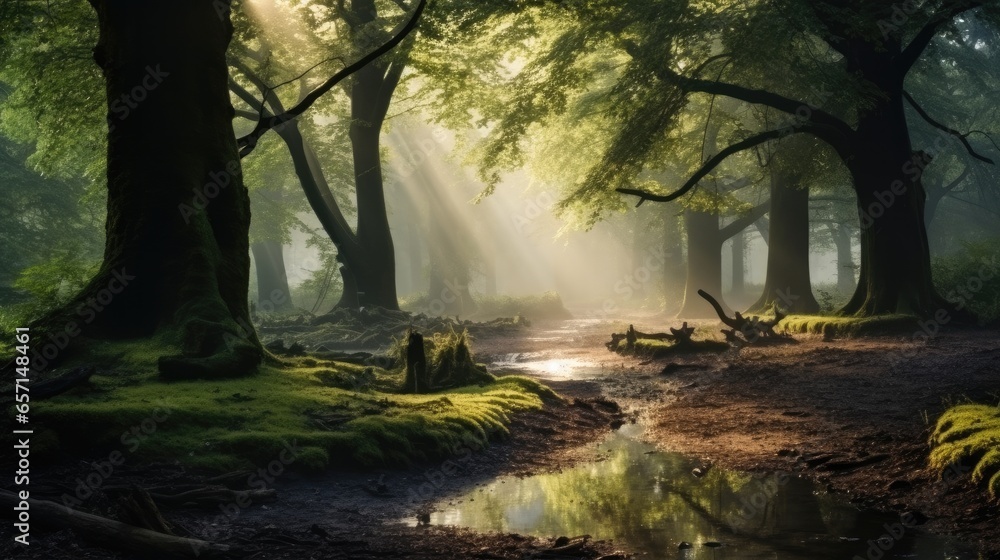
<point x="651" y="502"/>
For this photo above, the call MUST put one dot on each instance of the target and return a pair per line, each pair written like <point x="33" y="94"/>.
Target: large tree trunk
<point x="177" y="256"/>
<point x="895" y="259"/>
<point x="787" y="284"/>
<point x="272" y="278"/>
<point x="704" y="264"/>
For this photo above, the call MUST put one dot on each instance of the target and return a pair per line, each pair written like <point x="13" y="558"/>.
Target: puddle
<point x="649" y="502"/>
<point x="552" y="368"/>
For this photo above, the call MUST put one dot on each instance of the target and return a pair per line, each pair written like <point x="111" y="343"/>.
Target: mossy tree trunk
<point x="178" y="214"/>
<point x="787" y="283"/>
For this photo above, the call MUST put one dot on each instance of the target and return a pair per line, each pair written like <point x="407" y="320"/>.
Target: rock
<point x="684" y="545"/>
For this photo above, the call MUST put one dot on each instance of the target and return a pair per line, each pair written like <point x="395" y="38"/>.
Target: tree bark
<point x="895" y="258"/>
<point x="846" y="282"/>
<point x="787" y="284"/>
<point x="272" y="279"/>
<point x="178" y="216"/>
<point x="704" y="263"/>
<point x="738" y="265"/>
<point x="372" y="90"/>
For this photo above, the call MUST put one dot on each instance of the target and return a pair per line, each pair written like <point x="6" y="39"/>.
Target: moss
<point x="968" y="435"/>
<point x="243" y="422"/>
<point x="661" y="348"/>
<point x="850" y="326"/>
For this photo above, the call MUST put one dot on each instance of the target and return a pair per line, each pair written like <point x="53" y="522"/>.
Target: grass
<point x="967" y="435"/>
<point x="850" y="326"/>
<point x="245" y="422"/>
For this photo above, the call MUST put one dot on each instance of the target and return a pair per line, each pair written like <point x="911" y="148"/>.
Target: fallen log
<point x="115" y="534"/>
<point x="52" y="387"/>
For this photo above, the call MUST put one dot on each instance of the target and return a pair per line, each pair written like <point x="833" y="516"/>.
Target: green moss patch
<point x="652" y="348"/>
<point x="850" y="326"/>
<point x="242" y="422"/>
<point x="968" y="436"/>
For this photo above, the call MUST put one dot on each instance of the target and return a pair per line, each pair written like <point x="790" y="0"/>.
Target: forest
<point x="500" y="279"/>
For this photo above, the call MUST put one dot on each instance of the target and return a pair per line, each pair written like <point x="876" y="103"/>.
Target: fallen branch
<point x="752" y="329"/>
<point x="114" y="534"/>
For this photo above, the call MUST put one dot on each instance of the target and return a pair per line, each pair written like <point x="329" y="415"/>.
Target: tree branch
<point x="249" y="142"/>
<point x="962" y="137"/>
<point x="744" y="221"/>
<point x="711" y="164"/>
<point x="912" y="52"/>
<point x="827" y="126"/>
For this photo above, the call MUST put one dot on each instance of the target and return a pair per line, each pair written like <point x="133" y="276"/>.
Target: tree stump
<point x="416" y="364"/>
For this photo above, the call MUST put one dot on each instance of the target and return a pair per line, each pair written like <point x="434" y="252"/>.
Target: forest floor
<point x="851" y="414"/>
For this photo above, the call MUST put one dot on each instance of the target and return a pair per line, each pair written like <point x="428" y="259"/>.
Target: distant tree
<point x="835" y="70"/>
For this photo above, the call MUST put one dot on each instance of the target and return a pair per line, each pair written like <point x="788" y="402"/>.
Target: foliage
<point x="967" y="435"/>
<point x="970" y="278"/>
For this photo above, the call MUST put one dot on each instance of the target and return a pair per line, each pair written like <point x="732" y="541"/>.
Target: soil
<point x="852" y="414"/>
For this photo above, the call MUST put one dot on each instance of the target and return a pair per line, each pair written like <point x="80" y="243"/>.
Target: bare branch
<point x="249" y="142"/>
<point x="912" y="52"/>
<point x="962" y="137"/>
<point x="711" y="164"/>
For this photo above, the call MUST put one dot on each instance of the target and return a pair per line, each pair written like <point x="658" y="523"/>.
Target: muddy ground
<point x="853" y="414"/>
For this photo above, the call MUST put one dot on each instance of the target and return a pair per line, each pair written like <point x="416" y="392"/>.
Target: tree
<point x="366" y="253"/>
<point x="789" y="56"/>
<point x="176" y="260"/>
